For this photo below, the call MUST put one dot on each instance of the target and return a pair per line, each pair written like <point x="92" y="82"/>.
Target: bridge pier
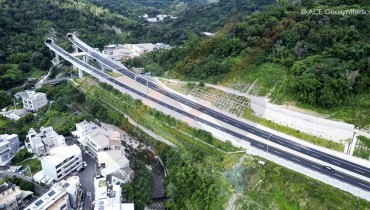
<point x="103" y="68"/>
<point x="85" y="59"/>
<point x="80" y="73"/>
<point x="76" y="49"/>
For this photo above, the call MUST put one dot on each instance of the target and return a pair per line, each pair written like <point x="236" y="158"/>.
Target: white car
<point x="84" y="163"/>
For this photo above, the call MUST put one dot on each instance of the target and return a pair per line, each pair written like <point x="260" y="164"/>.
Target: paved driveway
<point x="86" y="176"/>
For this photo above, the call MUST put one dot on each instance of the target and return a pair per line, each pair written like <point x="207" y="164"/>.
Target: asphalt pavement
<point x="87" y="175"/>
<point x="342" y="163"/>
<point x="279" y="140"/>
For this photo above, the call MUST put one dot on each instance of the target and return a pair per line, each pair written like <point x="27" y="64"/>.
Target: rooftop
<point x="33" y="95"/>
<point x="4" y="187"/>
<point x="9" y="196"/>
<point x="6" y="137"/>
<point x="59" y="154"/>
<point x="56" y="192"/>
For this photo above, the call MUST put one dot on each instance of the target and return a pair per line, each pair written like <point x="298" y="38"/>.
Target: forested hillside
<point x="26" y="23"/>
<point x="192" y="17"/>
<point x="318" y="61"/>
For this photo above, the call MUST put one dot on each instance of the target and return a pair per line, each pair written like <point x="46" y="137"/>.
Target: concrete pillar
<point x="57" y="59"/>
<point x="85" y="59"/>
<point x="76" y="49"/>
<point x="80" y="73"/>
<point x="102" y="66"/>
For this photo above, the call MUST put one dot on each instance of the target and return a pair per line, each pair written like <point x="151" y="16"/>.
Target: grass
<point x="248" y="114"/>
<point x="114" y="74"/>
<point x="102" y="183"/>
<point x="34" y="164"/>
<point x="265" y="75"/>
<point x="271" y="186"/>
<point x="364" y="150"/>
<point x="37" y="73"/>
<point x="2" y="122"/>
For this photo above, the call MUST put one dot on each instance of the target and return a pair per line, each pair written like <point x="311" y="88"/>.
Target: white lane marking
<point x="277" y="152"/>
<point x="315" y="166"/>
<point x="363" y="184"/>
<point x="339" y="175"/>
<point x="315" y="155"/>
<point x="349" y="163"/>
<point x="261" y="145"/>
<point x="335" y="162"/>
<point x="359" y="171"/>
<point x="296" y="159"/>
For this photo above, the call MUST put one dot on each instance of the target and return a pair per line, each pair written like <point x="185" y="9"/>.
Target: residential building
<point x="61" y="196"/>
<point x="14" y="114"/>
<point x="158" y="18"/>
<point x="41" y="143"/>
<point x="9" y="145"/>
<point x="10" y="197"/>
<point x="34" y="101"/>
<point x="61" y="161"/>
<point x="20" y="95"/>
<point x="108" y="195"/>
<point x="104" y="143"/>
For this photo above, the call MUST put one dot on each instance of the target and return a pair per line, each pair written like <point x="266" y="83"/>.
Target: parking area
<point x="87" y="175"/>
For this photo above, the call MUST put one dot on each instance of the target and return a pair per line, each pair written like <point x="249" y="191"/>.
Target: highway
<point x="314" y="153"/>
<point x="254" y="143"/>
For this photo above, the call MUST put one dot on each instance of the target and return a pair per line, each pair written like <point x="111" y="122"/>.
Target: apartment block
<point x="34" y="101"/>
<point x="104" y="143"/>
<point x="9" y="145"/>
<point x="41" y="143"/>
<point x="61" y="196"/>
<point x="61" y="162"/>
<point x="10" y="197"/>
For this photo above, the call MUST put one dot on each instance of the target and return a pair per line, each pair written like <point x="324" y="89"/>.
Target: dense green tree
<point x="5" y="99"/>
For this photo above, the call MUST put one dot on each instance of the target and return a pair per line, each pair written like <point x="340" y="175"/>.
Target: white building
<point x="10" y="197"/>
<point x="104" y="143"/>
<point x="41" y="143"/>
<point x="61" y="162"/>
<point x="14" y="114"/>
<point x="158" y="18"/>
<point x="61" y="196"/>
<point x="9" y="145"/>
<point x="34" y="101"/>
<point x="108" y="195"/>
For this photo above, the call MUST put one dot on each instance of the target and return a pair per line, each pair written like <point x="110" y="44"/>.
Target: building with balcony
<point x="61" y="196"/>
<point x="61" y="161"/>
<point x="41" y="143"/>
<point x="104" y="143"/>
<point x="10" y="197"/>
<point x="34" y="101"/>
<point x="9" y="145"/>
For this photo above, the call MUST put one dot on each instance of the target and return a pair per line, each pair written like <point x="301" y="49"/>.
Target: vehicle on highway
<point x="328" y="168"/>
